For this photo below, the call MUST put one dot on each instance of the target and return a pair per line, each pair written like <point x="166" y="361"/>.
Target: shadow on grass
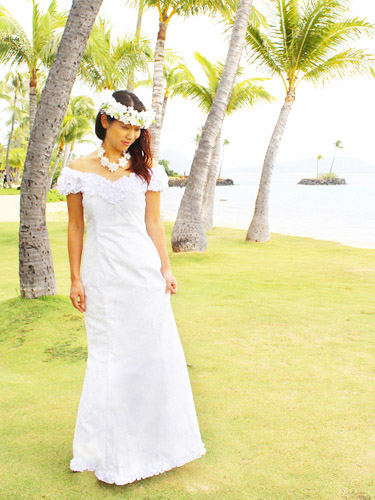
<point x="50" y="320"/>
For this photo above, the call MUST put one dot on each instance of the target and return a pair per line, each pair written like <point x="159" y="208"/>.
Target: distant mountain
<point x="179" y="162"/>
<point x="307" y="167"/>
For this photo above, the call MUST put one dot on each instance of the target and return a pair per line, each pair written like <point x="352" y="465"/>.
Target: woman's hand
<point x="171" y="281"/>
<point x="78" y="292"/>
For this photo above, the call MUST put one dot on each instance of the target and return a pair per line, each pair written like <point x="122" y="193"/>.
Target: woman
<point x="136" y="416"/>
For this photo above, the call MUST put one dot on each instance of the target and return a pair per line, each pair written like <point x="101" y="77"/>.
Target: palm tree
<point x="225" y="143"/>
<point x="175" y="72"/>
<point x="319" y="157"/>
<point x="17" y="159"/>
<point x="77" y="122"/>
<point x="130" y="85"/>
<point x="107" y="62"/>
<point x="166" y="10"/>
<point x="244" y="93"/>
<point x="39" y="51"/>
<point x="197" y="137"/>
<point x="337" y="144"/>
<point x="36" y="266"/>
<point x="188" y="232"/>
<point x="304" y="42"/>
<point x="14" y="94"/>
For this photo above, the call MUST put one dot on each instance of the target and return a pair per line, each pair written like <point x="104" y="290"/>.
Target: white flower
<point x="125" y="114"/>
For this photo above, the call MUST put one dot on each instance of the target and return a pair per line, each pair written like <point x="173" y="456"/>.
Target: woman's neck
<point x="111" y="153"/>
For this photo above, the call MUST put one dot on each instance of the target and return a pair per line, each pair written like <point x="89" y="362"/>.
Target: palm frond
<point x="262" y="51"/>
<point x="333" y="35"/>
<point x="246" y="94"/>
<point x="15" y="47"/>
<point x="346" y="63"/>
<point x="284" y="33"/>
<point x="194" y="91"/>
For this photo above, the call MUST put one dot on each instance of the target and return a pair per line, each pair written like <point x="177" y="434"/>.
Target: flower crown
<point x="125" y="114"/>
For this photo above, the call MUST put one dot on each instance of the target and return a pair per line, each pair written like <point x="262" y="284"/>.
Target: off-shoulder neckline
<point x="101" y="176"/>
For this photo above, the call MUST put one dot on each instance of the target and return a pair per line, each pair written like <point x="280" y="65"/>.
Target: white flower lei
<point x="125" y="114"/>
<point x="113" y="166"/>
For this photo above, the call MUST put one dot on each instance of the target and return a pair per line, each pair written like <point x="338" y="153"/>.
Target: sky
<point x="342" y="110"/>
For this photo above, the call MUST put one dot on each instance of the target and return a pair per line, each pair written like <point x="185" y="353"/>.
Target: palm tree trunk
<point x="188" y="232"/>
<point x="165" y="102"/>
<point x="222" y="160"/>
<point x="54" y="167"/>
<point x="70" y="153"/>
<point x="158" y="88"/>
<point x="32" y="99"/>
<point x="333" y="160"/>
<point x="8" y="146"/>
<point x="17" y="177"/>
<point x="66" y="156"/>
<point x="259" y="228"/>
<point x="137" y="35"/>
<point x="36" y="266"/>
<point x="209" y="192"/>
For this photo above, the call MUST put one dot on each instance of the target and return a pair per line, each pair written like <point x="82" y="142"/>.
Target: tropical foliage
<point x="36" y="266"/>
<point x="77" y="123"/>
<point x="189" y="232"/>
<point x="13" y="91"/>
<point x="166" y="10"/>
<point x="35" y="53"/>
<point x="244" y="94"/>
<point x="109" y="61"/>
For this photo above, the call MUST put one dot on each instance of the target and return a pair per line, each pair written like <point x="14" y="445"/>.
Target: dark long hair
<point x="140" y="150"/>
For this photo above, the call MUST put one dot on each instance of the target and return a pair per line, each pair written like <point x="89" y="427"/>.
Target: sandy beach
<point x="10" y="210"/>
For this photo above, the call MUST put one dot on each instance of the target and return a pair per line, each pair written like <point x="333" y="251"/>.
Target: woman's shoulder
<point x="70" y="179"/>
<point x="82" y="162"/>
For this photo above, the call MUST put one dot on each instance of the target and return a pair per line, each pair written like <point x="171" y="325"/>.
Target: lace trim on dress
<point x="110" y="477"/>
<point x="75" y="181"/>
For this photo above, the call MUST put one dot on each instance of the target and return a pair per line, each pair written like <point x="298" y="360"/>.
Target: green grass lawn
<point x="9" y="191"/>
<point x="280" y="339"/>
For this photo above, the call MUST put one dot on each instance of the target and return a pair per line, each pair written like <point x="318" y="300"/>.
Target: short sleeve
<point x="159" y="179"/>
<point x="69" y="181"/>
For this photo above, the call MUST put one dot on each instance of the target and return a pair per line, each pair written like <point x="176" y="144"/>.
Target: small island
<point x="322" y="181"/>
<point x="325" y="179"/>
<point x="181" y="180"/>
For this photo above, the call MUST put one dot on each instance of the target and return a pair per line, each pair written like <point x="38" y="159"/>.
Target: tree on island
<point x="225" y="143"/>
<point x="337" y="144"/>
<point x="319" y="157"/>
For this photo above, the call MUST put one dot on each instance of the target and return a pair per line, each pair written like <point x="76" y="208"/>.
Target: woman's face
<point x="120" y="135"/>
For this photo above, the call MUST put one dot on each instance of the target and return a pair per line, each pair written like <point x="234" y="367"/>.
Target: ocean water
<point x="345" y="214"/>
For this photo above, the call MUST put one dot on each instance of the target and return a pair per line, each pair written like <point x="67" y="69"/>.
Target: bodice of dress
<point x="115" y="220"/>
<point x="112" y="202"/>
<point x="75" y="181"/>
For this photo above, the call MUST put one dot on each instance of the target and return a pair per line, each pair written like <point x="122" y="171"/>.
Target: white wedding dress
<point x="136" y="415"/>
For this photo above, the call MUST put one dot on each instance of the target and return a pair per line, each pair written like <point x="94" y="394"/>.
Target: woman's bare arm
<point x="155" y="230"/>
<point x="76" y="227"/>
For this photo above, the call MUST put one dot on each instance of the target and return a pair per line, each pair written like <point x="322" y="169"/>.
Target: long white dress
<point x="136" y="415"/>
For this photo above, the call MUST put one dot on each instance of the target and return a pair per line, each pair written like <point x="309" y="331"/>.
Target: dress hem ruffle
<point x="109" y="477"/>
